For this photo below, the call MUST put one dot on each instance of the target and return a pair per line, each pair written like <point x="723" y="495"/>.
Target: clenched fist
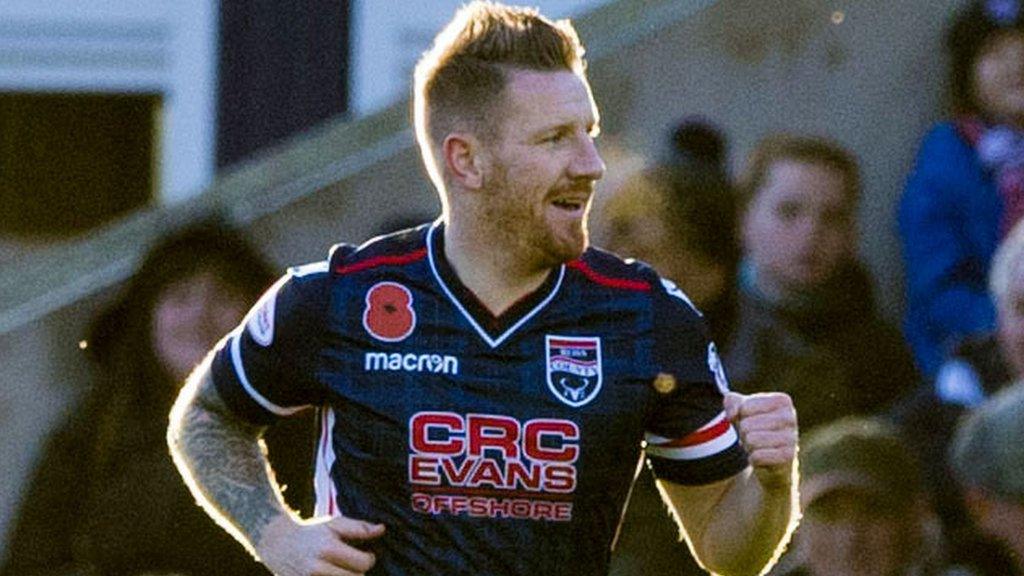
<point x="766" y="424"/>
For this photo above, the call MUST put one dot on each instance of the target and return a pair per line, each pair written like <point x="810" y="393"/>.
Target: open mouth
<point x="569" y="205"/>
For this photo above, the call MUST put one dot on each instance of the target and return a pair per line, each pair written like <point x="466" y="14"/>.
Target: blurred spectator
<point x="978" y="368"/>
<point x="106" y="498"/>
<point x="988" y="457"/>
<point x="680" y="218"/>
<point x="1006" y="285"/>
<point x="967" y="188"/>
<point x="697" y="145"/>
<point x="807" y="321"/>
<point x="865" y="512"/>
<point x="683" y="225"/>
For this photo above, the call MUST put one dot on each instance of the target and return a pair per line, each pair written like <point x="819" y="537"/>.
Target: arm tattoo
<point x="222" y="461"/>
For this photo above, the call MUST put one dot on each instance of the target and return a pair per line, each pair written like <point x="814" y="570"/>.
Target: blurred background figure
<point x="807" y="323"/>
<point x="967" y="188"/>
<point x="978" y="368"/>
<point x="696" y="144"/>
<point x="865" y="513"/>
<point x="679" y="216"/>
<point x="988" y="457"/>
<point x="106" y="499"/>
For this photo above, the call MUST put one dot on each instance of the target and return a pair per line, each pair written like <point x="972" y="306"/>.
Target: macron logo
<point x="434" y="363"/>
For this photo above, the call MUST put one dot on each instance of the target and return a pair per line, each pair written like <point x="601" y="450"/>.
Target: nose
<point x="812" y="225"/>
<point x="588" y="163"/>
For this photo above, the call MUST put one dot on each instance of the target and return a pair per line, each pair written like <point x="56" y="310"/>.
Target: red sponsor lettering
<point x="495" y="466"/>
<point x="486" y="431"/>
<point x="491" y="507"/>
<point x="424" y="422"/>
<point x="563" y="431"/>
<point x="423" y="470"/>
<point x="545" y="440"/>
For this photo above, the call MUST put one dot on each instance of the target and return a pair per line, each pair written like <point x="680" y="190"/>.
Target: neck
<point x="498" y="275"/>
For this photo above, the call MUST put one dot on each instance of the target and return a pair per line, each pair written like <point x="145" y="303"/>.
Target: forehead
<point x="537" y="100"/>
<point x="1000" y="41"/>
<point x="813" y="180"/>
<point x="204" y="278"/>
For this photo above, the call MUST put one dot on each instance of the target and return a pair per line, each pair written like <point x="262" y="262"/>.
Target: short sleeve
<point x="688" y="438"/>
<point x="266" y="368"/>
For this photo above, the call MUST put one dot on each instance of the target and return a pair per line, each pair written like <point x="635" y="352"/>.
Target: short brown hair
<point x="809" y="149"/>
<point x="460" y="80"/>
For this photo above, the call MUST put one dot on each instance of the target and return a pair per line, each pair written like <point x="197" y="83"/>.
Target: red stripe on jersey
<point x="397" y="260"/>
<point x="573" y="344"/>
<point x="700" y="436"/>
<point x="603" y="280"/>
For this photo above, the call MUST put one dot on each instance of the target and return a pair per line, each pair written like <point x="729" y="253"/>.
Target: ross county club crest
<point x="574" y="368"/>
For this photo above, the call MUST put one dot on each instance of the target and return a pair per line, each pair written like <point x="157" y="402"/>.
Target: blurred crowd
<point x="912" y="436"/>
<point x="912" y="440"/>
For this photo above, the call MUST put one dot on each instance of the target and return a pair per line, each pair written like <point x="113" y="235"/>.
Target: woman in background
<point x="106" y="499"/>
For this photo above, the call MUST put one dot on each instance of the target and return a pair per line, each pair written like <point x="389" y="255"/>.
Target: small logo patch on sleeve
<point x="261" y="319"/>
<point x="715" y="365"/>
<point x="673" y="290"/>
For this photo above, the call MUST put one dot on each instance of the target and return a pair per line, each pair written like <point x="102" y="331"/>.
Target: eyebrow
<point x="593" y="128"/>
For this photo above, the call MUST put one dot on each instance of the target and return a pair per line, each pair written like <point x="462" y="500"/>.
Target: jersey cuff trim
<point x="705" y="471"/>
<point x="716" y="436"/>
<point x="236" y="361"/>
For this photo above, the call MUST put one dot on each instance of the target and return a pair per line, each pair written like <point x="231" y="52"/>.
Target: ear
<point x="463" y="160"/>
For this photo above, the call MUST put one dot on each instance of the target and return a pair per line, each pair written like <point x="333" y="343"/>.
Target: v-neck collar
<point x="492" y="329"/>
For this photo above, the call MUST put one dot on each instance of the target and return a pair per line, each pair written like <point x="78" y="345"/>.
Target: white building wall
<point x="125" y="46"/>
<point x="387" y="41"/>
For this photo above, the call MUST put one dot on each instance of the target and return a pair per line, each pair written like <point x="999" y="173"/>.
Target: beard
<point x="520" y="220"/>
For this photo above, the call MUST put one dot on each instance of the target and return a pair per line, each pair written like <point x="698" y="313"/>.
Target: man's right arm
<point x="224" y="464"/>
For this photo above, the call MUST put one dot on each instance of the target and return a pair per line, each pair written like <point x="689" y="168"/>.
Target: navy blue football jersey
<point x="486" y="445"/>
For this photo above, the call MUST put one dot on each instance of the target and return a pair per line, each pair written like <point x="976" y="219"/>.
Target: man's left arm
<point x="739" y="526"/>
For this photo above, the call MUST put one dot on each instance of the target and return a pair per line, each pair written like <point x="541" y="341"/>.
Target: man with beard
<point x="488" y="382"/>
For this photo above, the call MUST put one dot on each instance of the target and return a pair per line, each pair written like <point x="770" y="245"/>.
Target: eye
<point x="554" y="137"/>
<point x="788" y="211"/>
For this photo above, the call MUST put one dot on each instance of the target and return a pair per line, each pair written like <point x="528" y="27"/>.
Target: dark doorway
<point x="70" y="162"/>
<point x="284" y="67"/>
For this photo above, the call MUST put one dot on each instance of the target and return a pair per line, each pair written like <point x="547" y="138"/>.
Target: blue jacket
<point x="949" y="226"/>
